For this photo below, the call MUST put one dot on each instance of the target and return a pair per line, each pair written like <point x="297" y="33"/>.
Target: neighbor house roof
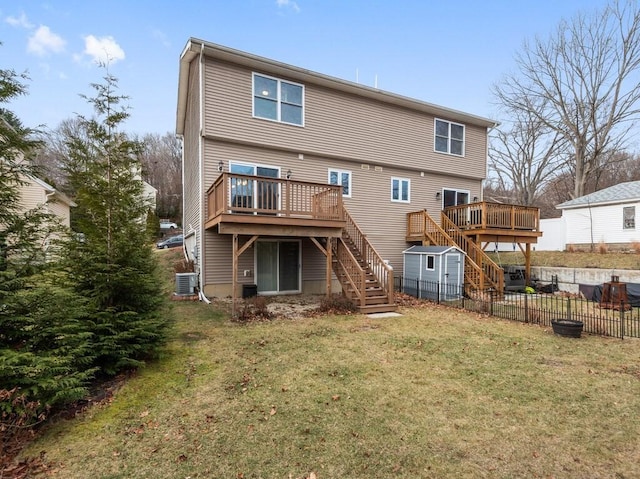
<point x="620" y="193"/>
<point x="50" y="190"/>
<point x="196" y="47"/>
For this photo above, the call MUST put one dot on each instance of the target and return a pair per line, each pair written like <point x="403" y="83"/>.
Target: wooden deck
<point x="245" y="204"/>
<point x="473" y="227"/>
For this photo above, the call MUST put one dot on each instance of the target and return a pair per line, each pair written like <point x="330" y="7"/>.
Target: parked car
<point x="168" y="225"/>
<point x="173" y="242"/>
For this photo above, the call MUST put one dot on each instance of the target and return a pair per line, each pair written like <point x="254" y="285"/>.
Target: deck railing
<point x="494" y="216"/>
<point x="478" y="271"/>
<point x="381" y="270"/>
<point x="248" y="194"/>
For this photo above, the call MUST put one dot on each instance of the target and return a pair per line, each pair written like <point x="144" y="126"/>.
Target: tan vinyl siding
<point x="62" y="211"/>
<point x="32" y="195"/>
<point x="383" y="221"/>
<point x="191" y="173"/>
<point x="337" y="125"/>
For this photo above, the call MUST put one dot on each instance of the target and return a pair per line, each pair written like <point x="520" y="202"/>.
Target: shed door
<point x="452" y="273"/>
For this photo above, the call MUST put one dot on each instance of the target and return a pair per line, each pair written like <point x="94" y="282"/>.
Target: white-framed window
<point x="278" y="100"/>
<point x="400" y="190"/>
<point x="449" y="137"/>
<point x="343" y="178"/>
<point x="629" y="216"/>
<point x="430" y="263"/>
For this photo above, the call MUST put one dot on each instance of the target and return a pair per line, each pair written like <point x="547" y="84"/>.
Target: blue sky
<point x="447" y="53"/>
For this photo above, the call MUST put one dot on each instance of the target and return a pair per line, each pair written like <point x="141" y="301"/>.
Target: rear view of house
<point x="295" y="181"/>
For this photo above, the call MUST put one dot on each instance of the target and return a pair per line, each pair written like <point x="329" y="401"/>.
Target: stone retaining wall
<point x="570" y="278"/>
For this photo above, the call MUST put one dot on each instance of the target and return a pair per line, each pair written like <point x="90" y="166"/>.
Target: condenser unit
<point x="185" y="283"/>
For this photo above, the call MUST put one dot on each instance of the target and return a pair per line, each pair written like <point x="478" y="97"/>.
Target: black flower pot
<point x="567" y="327"/>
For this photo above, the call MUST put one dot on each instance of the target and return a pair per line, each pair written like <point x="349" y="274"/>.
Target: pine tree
<point x="45" y="352"/>
<point x="111" y="261"/>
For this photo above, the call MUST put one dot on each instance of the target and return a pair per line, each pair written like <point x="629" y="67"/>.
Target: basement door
<point x="278" y="267"/>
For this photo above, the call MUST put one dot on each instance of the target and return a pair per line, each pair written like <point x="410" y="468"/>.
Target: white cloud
<point x="161" y="37"/>
<point x="20" y="21"/>
<point x="103" y="50"/>
<point x="44" y="41"/>
<point x="288" y="4"/>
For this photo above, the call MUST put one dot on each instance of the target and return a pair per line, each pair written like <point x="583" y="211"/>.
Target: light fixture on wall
<point x="220" y="165"/>
<point x="475" y="199"/>
<point x="289" y="174"/>
<point x="438" y="194"/>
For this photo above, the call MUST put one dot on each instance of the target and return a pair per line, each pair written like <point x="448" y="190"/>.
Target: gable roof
<point x="435" y="250"/>
<point x="50" y="190"/>
<point x="620" y="193"/>
<point x="197" y="47"/>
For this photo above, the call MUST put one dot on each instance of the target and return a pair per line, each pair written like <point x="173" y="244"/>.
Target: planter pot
<point x="567" y="328"/>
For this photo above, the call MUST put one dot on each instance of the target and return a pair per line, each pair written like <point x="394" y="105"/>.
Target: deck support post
<point x="234" y="275"/>
<point x="527" y="264"/>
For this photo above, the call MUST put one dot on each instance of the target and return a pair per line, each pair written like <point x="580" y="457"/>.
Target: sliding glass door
<point x="278" y="266"/>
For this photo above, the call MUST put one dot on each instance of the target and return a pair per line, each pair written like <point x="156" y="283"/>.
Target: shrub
<point x="571" y="248"/>
<point x="602" y="248"/>
<point x="254" y="309"/>
<point x="337" y="304"/>
<point x="635" y="246"/>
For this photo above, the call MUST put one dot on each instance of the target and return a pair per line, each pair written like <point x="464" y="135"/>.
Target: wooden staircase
<point x="481" y="272"/>
<point x="363" y="274"/>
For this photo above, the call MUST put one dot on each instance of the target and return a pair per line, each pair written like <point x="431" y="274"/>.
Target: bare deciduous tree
<point x="525" y="156"/>
<point x="586" y="75"/>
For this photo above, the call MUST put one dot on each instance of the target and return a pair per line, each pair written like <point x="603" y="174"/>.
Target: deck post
<point x="234" y="274"/>
<point x="329" y="265"/>
<point x="527" y="264"/>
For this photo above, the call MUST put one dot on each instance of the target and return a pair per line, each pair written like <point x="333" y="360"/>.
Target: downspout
<point x="201" y="176"/>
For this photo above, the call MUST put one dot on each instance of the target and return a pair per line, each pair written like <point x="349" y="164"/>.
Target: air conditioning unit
<point x="185" y="283"/>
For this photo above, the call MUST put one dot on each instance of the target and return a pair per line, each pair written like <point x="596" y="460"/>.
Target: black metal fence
<point x="611" y="319"/>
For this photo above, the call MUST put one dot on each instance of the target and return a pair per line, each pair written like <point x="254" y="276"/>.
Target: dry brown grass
<point x="610" y="260"/>
<point x="436" y="392"/>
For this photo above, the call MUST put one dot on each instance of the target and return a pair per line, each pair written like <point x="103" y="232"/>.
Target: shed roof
<point x="435" y="250"/>
<point x="620" y="193"/>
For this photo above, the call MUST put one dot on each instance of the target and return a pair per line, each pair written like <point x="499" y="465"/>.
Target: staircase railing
<point x="349" y="270"/>
<point x="491" y="272"/>
<point x="420" y="223"/>
<point x="381" y="270"/>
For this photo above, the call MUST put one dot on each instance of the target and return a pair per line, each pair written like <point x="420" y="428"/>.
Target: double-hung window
<point x="278" y="100"/>
<point x="343" y="178"/>
<point x="449" y="137"/>
<point x="400" y="190"/>
<point x="629" y="216"/>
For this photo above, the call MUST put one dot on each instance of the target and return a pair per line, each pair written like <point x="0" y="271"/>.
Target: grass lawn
<point x="608" y="260"/>
<point x="436" y="392"/>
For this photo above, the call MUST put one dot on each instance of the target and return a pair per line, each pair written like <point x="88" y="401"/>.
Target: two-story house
<point x="296" y="181"/>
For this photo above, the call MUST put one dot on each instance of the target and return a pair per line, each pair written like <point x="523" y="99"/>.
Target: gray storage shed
<point x="433" y="272"/>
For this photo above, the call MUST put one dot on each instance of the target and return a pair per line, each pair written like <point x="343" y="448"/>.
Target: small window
<point x="278" y="100"/>
<point x="400" y="190"/>
<point x="629" y="215"/>
<point x="449" y="137"/>
<point x="431" y="260"/>
<point x="343" y="178"/>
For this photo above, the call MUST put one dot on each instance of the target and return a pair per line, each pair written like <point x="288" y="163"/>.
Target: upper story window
<point x="449" y="137"/>
<point x="629" y="215"/>
<point x="278" y="100"/>
<point x="341" y="177"/>
<point x="400" y="190"/>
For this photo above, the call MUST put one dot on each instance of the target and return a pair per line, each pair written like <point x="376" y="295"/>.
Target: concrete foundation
<point x="570" y="278"/>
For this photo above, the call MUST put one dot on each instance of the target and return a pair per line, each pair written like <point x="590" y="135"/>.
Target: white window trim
<point x="340" y="173"/>
<point x="464" y="137"/>
<point x="278" y="100"/>
<point x="399" y="199"/>
<point x="426" y="262"/>
<point x="624" y="220"/>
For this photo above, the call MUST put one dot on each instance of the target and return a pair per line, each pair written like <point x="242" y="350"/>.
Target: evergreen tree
<point x="45" y="353"/>
<point x="111" y="261"/>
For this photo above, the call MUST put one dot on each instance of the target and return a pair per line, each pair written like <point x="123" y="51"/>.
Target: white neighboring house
<point x="36" y="193"/>
<point x="149" y="193"/>
<point x="608" y="216"/>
